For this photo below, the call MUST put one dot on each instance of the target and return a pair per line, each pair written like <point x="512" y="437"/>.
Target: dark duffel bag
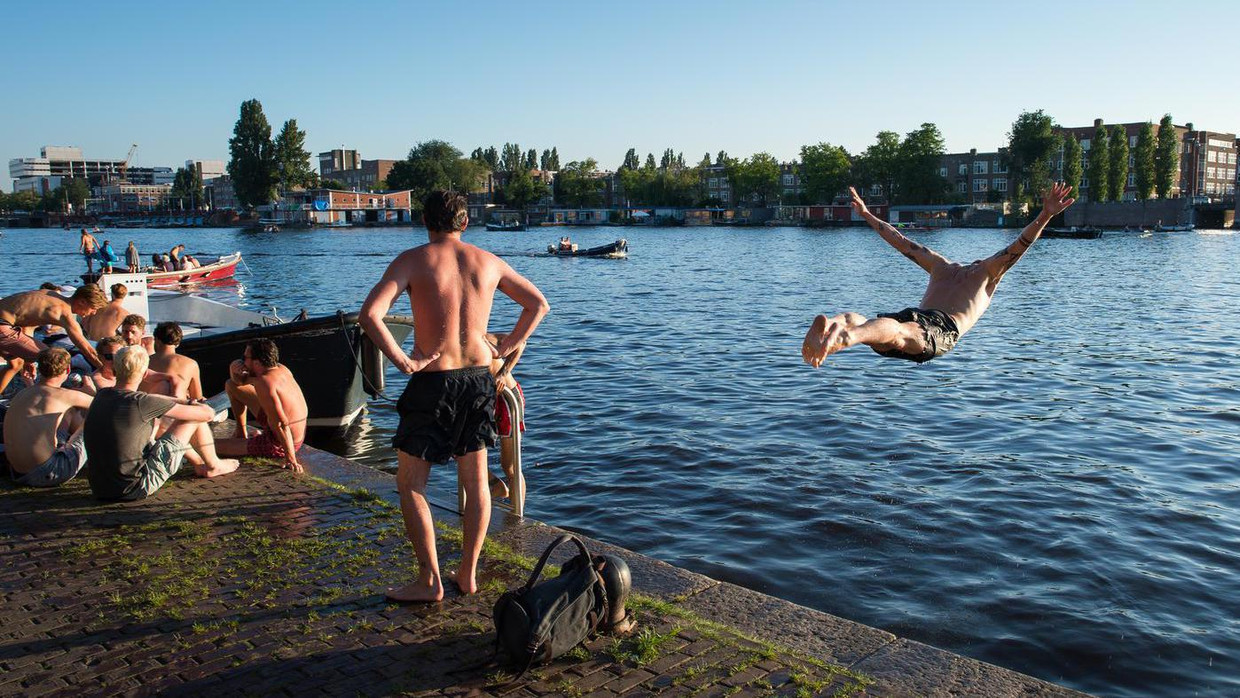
<point x="542" y="620"/>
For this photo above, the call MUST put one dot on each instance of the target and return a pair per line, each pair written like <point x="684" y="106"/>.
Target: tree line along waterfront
<point x="898" y="169"/>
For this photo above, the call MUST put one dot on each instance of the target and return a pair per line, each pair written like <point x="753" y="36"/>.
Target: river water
<point x="1058" y="495"/>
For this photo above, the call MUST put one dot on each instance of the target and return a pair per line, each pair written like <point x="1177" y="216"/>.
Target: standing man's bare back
<point x="108" y="320"/>
<point x="447" y="411"/>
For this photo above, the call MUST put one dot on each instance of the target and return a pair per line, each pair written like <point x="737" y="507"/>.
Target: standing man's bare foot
<point x="467" y="584"/>
<point x="417" y="592"/>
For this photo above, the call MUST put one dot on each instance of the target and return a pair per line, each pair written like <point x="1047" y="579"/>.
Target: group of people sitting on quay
<point x="92" y="250"/>
<point x="129" y="409"/>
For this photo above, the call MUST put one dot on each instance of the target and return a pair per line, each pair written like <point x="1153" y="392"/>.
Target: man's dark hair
<point x="445" y="211"/>
<point x="264" y="352"/>
<point x="168" y="334"/>
<point x="53" y="362"/>
<point x="49" y="286"/>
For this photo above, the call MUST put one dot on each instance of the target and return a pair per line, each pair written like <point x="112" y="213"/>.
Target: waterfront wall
<point x="1118" y="214"/>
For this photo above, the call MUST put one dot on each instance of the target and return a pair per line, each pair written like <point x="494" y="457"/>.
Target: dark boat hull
<point x="329" y="356"/>
<point x="619" y="248"/>
<point x="1073" y="233"/>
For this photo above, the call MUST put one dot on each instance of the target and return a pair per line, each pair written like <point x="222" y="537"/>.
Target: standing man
<point x="36" y="308"/>
<point x="448" y="410"/>
<point x="87" y="245"/>
<point x="127" y="462"/>
<point x="108" y="320"/>
<point x="260" y="384"/>
<point x="955" y="297"/>
<point x="132" y="259"/>
<point x="43" y="427"/>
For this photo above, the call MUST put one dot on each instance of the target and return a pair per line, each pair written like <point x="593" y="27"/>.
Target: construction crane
<point x="125" y="165"/>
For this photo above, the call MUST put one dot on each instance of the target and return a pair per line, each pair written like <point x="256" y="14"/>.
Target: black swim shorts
<point x="446" y="413"/>
<point x="939" y="329"/>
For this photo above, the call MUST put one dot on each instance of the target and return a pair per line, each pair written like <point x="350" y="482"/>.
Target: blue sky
<point x="595" y="78"/>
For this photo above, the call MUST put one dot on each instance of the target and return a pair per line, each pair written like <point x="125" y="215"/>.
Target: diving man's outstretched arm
<point x="1053" y="203"/>
<point x="923" y="256"/>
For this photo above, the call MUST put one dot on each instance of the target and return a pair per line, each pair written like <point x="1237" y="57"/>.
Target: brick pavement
<point x="264" y="583"/>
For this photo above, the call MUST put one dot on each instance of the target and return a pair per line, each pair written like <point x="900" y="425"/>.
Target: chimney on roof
<point x="972" y="151"/>
<point x="1189" y="126"/>
<point x="1097" y="123"/>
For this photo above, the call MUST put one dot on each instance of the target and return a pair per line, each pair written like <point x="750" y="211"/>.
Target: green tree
<point x="1117" y="169"/>
<point x="882" y="163"/>
<point x="649" y="161"/>
<point x="333" y="184"/>
<point x="755" y="177"/>
<point x="578" y="185"/>
<point x="434" y="165"/>
<point x="824" y="171"/>
<point x="545" y="159"/>
<point x="187" y="188"/>
<point x="511" y="158"/>
<point x="531" y="159"/>
<point x="1072" y="167"/>
<point x="522" y="189"/>
<point x="293" y="168"/>
<point x="252" y="163"/>
<point x="1143" y="165"/>
<point x="722" y="158"/>
<point x="553" y="163"/>
<point x="631" y="162"/>
<point x="917" y="174"/>
<point x="491" y="157"/>
<point x="1166" y="158"/>
<point x="1099" y="167"/>
<point x="1032" y="145"/>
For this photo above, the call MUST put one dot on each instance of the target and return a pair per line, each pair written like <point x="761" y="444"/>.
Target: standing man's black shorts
<point x="938" y="327"/>
<point x="446" y="413"/>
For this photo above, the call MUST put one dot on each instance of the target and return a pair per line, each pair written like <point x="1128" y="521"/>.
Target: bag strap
<point x="542" y="561"/>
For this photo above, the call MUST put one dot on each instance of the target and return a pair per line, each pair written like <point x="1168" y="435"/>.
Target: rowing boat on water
<point x="223" y="268"/>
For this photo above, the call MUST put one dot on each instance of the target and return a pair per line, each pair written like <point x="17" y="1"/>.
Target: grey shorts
<point x="163" y="460"/>
<point x="65" y="463"/>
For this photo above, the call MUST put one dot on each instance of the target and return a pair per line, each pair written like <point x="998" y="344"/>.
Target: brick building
<point x="977" y="177"/>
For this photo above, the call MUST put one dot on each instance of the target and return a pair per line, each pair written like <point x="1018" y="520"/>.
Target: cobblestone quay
<point x="267" y="583"/>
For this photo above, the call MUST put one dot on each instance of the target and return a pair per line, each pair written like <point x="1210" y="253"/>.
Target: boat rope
<point x="357" y="361"/>
<point x="247" y="267"/>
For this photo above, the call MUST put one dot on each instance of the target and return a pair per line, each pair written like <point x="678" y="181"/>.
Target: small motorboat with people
<point x="566" y="248"/>
<point x="911" y="227"/>
<point x="222" y="268"/>
<point x="1079" y="233"/>
<point x="1160" y="228"/>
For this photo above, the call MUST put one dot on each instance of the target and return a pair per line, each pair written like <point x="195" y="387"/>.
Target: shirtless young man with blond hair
<point x="448" y="409"/>
<point x="43" y="427"/>
<point x="37" y="308"/>
<point x="955" y="297"/>
<point x="108" y="320"/>
<point x="261" y="385"/>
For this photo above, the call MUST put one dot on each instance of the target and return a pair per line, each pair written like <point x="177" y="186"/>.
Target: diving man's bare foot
<point x="417" y="592"/>
<point x="467" y="586"/>
<point x="814" y="348"/>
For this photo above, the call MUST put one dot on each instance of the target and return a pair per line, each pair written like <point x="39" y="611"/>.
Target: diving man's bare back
<point x="956" y="295"/>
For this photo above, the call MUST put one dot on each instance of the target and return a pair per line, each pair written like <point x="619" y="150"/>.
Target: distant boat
<point x="616" y="250"/>
<point x="1080" y="233"/>
<point x="911" y="228"/>
<point x="1174" y="228"/>
<point x="506" y="226"/>
<point x="223" y="268"/>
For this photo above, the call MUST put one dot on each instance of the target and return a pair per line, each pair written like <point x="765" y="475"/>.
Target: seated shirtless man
<point x="107" y="321"/>
<point x="43" y="427"/>
<point x="36" y="308"/>
<point x="128" y="462"/>
<point x="955" y="297"/>
<point x="259" y="383"/>
<point x="105" y="375"/>
<point x="166" y="360"/>
<point x="133" y="333"/>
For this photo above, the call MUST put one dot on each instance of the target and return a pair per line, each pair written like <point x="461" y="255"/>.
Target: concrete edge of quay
<point x="898" y="666"/>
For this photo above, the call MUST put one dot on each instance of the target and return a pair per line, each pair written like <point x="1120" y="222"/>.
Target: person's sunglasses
<point x="108" y="357"/>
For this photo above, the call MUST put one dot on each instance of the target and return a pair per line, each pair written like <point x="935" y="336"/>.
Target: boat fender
<point x="372" y="367"/>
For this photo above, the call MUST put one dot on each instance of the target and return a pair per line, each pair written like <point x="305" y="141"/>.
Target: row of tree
<point x="72" y="193"/>
<point x="1034" y="146"/>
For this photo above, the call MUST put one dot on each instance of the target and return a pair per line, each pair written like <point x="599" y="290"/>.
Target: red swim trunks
<point x="16" y="344"/>
<point x="503" y="420"/>
<point x="264" y="445"/>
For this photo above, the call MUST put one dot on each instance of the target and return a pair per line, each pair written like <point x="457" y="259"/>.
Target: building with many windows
<point x="57" y="163"/>
<point x="977" y="177"/>
<point x="370" y="176"/>
<point x="337" y="160"/>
